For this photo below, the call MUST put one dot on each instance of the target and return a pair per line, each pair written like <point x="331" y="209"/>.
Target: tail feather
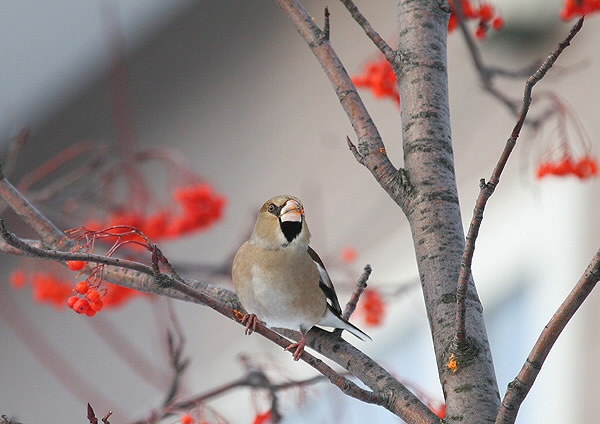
<point x="333" y="319"/>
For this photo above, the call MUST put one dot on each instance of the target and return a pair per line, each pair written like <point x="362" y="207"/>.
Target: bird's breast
<point x="286" y="290"/>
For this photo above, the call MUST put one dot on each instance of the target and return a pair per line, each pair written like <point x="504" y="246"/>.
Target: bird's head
<point x="281" y="223"/>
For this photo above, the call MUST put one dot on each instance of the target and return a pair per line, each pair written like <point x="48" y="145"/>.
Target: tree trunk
<point x="432" y="207"/>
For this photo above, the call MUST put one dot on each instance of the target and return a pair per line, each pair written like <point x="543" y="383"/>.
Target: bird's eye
<point x="272" y="208"/>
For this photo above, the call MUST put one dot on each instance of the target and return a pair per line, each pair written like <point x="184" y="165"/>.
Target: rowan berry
<point x="81" y="287"/>
<point x="71" y="301"/>
<point x="81" y="306"/>
<point x="93" y="295"/>
<point x="75" y="265"/>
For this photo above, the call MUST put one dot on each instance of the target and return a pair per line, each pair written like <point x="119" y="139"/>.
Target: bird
<point x="281" y="281"/>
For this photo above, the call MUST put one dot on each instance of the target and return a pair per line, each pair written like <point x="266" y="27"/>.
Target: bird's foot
<point x="299" y="348"/>
<point x="250" y="320"/>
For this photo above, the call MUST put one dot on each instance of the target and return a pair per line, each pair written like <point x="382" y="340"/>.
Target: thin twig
<point x="326" y="24"/>
<point x="361" y="285"/>
<point x="520" y="386"/>
<point x="487" y="189"/>
<point x="359" y="158"/>
<point x="58" y="161"/>
<point x="254" y="379"/>
<point x="388" y="52"/>
<point x="14" y="149"/>
<point x="370" y="144"/>
<point x="487" y="73"/>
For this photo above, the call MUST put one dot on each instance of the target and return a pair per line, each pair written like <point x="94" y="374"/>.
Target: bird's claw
<point x="250" y="320"/>
<point x="299" y="348"/>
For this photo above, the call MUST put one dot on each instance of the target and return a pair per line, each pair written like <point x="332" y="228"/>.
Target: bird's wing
<point x="325" y="283"/>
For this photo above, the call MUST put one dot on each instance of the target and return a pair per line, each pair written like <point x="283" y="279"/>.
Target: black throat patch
<point x="291" y="229"/>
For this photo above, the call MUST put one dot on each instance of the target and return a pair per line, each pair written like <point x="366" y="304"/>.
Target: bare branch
<point x="370" y="144"/>
<point x="361" y="285"/>
<point x="165" y="284"/>
<point x="58" y="255"/>
<point x="39" y="223"/>
<point x="14" y="150"/>
<point x="373" y="35"/>
<point x="487" y="73"/>
<point x="520" y="386"/>
<point x="487" y="189"/>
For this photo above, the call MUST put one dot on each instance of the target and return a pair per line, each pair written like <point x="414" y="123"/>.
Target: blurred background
<point x="233" y="88"/>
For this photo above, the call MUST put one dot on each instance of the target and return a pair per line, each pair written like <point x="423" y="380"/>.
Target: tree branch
<point x="520" y="386"/>
<point x="388" y="52"/>
<point x="487" y="189"/>
<point x="361" y="285"/>
<point x="487" y="73"/>
<point x="370" y="144"/>
<point x="47" y="231"/>
<point x="138" y="276"/>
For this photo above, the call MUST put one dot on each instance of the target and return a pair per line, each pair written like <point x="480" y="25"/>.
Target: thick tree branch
<point x="49" y="234"/>
<point x="520" y="386"/>
<point x="487" y="189"/>
<point x="138" y="276"/>
<point x="370" y="145"/>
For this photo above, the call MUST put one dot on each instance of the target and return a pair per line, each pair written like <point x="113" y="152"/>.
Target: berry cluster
<point x="47" y="287"/>
<point x="93" y="295"/>
<point x="379" y="76"/>
<point x="198" y="208"/>
<point x="584" y="168"/>
<point x="372" y="307"/>
<point x="485" y="15"/>
<point x="575" y="8"/>
<point x="88" y="297"/>
<point x="87" y="300"/>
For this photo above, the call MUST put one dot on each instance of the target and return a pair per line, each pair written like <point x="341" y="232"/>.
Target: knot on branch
<point x="163" y="281"/>
<point x="519" y="391"/>
<point x="462" y="353"/>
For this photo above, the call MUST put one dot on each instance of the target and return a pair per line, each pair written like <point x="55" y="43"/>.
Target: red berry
<point x="81" y="287"/>
<point x="81" y="306"/>
<point x="97" y="306"/>
<point x="71" y="301"/>
<point x="93" y="295"/>
<point x="349" y="254"/>
<point x="75" y="265"/>
<point x="486" y="12"/>
<point x="18" y="279"/>
<point x="498" y="23"/>
<point x="187" y="419"/>
<point x="90" y="312"/>
<point x="481" y="32"/>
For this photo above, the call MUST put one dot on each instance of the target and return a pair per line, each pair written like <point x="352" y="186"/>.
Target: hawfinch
<point x="281" y="281"/>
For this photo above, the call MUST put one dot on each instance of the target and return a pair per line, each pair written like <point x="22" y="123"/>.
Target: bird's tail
<point x="335" y="320"/>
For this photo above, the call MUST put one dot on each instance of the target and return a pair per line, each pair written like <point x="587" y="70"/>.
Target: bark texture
<point x="431" y="205"/>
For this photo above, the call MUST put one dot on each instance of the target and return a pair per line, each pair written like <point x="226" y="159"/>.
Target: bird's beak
<point x="291" y="212"/>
